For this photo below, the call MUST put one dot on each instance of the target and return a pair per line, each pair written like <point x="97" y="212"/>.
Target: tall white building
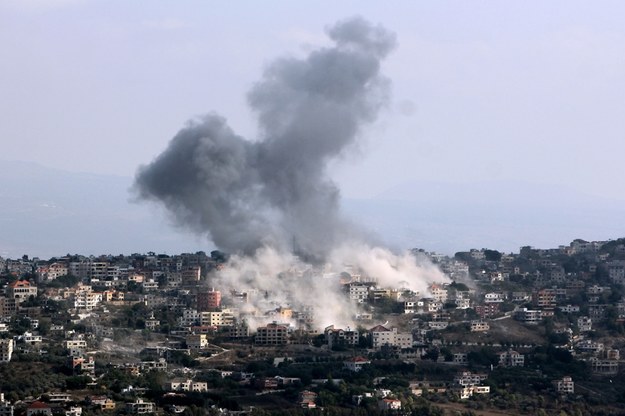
<point x="6" y="350"/>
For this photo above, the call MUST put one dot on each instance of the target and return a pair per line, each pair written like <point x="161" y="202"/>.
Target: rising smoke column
<point x="274" y="191"/>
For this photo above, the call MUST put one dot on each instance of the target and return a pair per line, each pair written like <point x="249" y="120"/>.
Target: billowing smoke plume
<point x="274" y="191"/>
<point x="269" y="201"/>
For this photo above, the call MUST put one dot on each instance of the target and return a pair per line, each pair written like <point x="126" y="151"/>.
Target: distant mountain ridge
<point x="49" y="212"/>
<point x="450" y="217"/>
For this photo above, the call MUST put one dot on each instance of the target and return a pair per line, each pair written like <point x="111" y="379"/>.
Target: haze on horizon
<point x="528" y="94"/>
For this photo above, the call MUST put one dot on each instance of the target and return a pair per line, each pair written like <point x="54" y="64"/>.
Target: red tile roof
<point x="19" y="283"/>
<point x="38" y="405"/>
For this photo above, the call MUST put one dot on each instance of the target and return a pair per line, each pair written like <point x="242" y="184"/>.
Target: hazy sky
<point x="526" y="90"/>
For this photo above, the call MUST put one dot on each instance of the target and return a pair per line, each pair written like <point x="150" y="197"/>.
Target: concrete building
<point x="21" y="290"/>
<point x="356" y="363"/>
<point x="197" y="341"/>
<point x="469" y="391"/>
<point x="208" y="300"/>
<point x="339" y="336"/>
<point x="511" y="358"/>
<point x="272" y="334"/>
<point x="382" y="336"/>
<point x="182" y="384"/>
<point x="6" y="350"/>
<point x="358" y="292"/>
<point x="460" y="358"/>
<point x="565" y="385"/>
<point x="584" y="324"/>
<point x="191" y="276"/>
<point x="603" y="367"/>
<point x="467" y="378"/>
<point x="479" y="326"/>
<point x="8" y="306"/>
<point x="438" y="292"/>
<point x="528" y="316"/>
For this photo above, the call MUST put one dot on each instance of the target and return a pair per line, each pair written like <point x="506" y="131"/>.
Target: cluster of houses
<point x="180" y="284"/>
<point x="64" y="404"/>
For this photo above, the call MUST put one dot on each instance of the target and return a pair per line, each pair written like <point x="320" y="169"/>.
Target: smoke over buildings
<point x="269" y="201"/>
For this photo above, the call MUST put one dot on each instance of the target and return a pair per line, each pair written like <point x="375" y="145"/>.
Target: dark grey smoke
<point x="275" y="190"/>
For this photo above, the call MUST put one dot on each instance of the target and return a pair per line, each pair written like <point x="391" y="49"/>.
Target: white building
<point x="494" y="297"/>
<point x="382" y="336"/>
<point x="565" y="385"/>
<point x="355" y="364"/>
<point x="179" y="384"/>
<point x="584" y="324"/>
<point x="467" y="392"/>
<point x="569" y="308"/>
<point x="358" y="292"/>
<point x="6" y="350"/>
<point x="529" y="316"/>
<point x="467" y="378"/>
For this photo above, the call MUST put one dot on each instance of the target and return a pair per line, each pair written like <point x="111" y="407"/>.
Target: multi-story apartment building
<point x="52" y="271"/>
<point x="584" y="324"/>
<point x="8" y="306"/>
<point x="528" y="316"/>
<point x="79" y="345"/>
<point x="569" y="308"/>
<point x="272" y="334"/>
<point x="85" y="298"/>
<point x="80" y="269"/>
<point x="99" y="270"/>
<point x="140" y="407"/>
<point x="487" y="310"/>
<point x="479" y="326"/>
<point x="494" y="297"/>
<point x="339" y="336"/>
<point x="191" y="275"/>
<point x="382" y="336"/>
<point x="604" y="367"/>
<point x="438" y="292"/>
<point x="358" y="292"/>
<point x="189" y="317"/>
<point x="6" y="350"/>
<point x="511" y="358"/>
<point x="467" y="378"/>
<point x="546" y="298"/>
<point x="208" y="300"/>
<point x="197" y="341"/>
<point x="182" y="384"/>
<point x="211" y="318"/>
<point x="463" y="303"/>
<point x="616" y="271"/>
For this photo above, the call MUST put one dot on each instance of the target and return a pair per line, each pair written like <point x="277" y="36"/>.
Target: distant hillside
<point x="503" y="215"/>
<point x="47" y="212"/>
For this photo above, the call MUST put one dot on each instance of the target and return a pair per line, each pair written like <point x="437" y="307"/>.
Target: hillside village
<point x="534" y="332"/>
